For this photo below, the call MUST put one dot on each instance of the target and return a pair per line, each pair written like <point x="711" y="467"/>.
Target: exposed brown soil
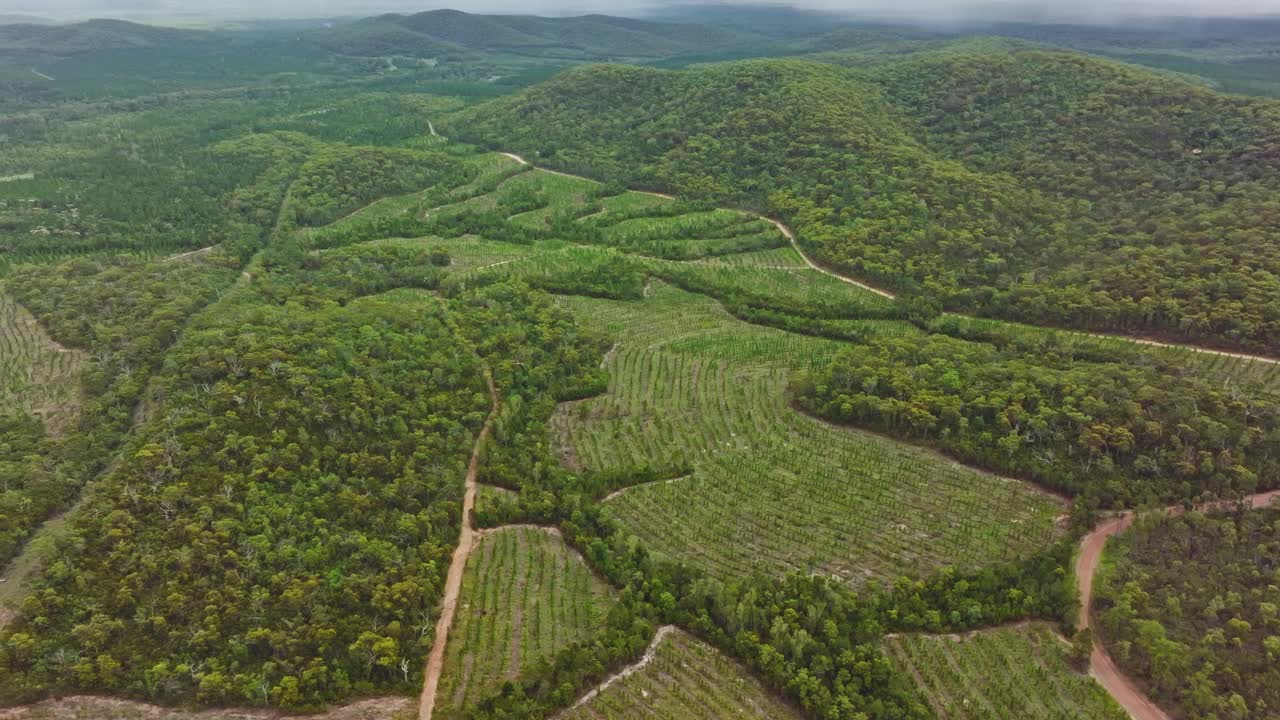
<point x="453" y="581"/>
<point x="649" y="654"/>
<point x="815" y="266"/>
<point x="1101" y="665"/>
<point x="193" y="253"/>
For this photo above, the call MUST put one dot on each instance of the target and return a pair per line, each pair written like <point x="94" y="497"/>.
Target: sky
<point x="1047" y="10"/>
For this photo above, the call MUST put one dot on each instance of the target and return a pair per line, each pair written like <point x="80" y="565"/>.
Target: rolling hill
<point x="569" y="38"/>
<point x="1110" y="199"/>
<point x="90" y="36"/>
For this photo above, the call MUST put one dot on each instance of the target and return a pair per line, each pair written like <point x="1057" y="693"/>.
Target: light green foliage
<point x="37" y="375"/>
<point x="773" y="489"/>
<point x="525" y="595"/>
<point x="1011" y="673"/>
<point x="686" y="679"/>
<point x="943" y="176"/>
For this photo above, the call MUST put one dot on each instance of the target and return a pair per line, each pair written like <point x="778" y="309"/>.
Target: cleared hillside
<point x="1045" y="187"/>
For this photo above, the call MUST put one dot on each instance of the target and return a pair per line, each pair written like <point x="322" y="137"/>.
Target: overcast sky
<point x="1061" y="10"/>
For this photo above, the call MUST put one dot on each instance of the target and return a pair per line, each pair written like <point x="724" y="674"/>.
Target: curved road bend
<point x="886" y="294"/>
<point x="1101" y="665"/>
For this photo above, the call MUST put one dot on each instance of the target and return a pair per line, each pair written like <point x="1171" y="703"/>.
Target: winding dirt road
<point x="453" y="581"/>
<point x="649" y="654"/>
<point x="815" y="266"/>
<point x="791" y="236"/>
<point x="1101" y="665"/>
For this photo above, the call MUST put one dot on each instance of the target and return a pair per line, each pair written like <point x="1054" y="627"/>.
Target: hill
<point x="1040" y="186"/>
<point x="1235" y="54"/>
<point x="18" y="18"/>
<point x="90" y="36"/>
<point x="571" y="38"/>
<point x="775" y="21"/>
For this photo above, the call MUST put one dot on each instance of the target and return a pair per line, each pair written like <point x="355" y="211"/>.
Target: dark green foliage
<point x="126" y="313"/>
<point x="1120" y="433"/>
<point x="1189" y="604"/>
<point x="30" y="486"/>
<point x="345" y="274"/>
<point x="944" y="177"/>
<point x="337" y="180"/>
<point x="281" y="532"/>
<point x="1172" y="186"/>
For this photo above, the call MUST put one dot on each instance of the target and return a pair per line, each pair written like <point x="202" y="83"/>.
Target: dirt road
<point x="193" y="253"/>
<point x="886" y="294"/>
<point x="1101" y="665"/>
<point x="649" y="654"/>
<point x="453" y="581"/>
<point x="815" y="266"/>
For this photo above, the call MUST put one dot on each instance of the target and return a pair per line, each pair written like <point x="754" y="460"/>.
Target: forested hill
<point x="1046" y="187"/>
<point x="573" y="38"/>
<point x="90" y="36"/>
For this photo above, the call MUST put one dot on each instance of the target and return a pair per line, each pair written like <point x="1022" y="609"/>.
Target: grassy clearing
<point x="36" y="373"/>
<point x="554" y="193"/>
<point x="625" y="204"/>
<point x="830" y="297"/>
<point x="1008" y="673"/>
<point x="525" y="595"/>
<point x="687" y="679"/>
<point x="467" y="253"/>
<point x="487" y="172"/>
<point x="782" y="258"/>
<point x="773" y="489"/>
<point x="663" y="229"/>
<point x="1252" y="374"/>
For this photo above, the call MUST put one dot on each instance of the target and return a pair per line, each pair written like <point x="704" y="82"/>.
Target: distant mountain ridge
<point x="580" y="37"/>
<point x="90" y="36"/>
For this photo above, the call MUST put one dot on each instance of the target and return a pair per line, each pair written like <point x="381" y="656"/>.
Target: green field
<point x="1012" y="673"/>
<point x="525" y="595"/>
<point x="37" y="375"/>
<point x="773" y="489"/>
<point x="686" y="679"/>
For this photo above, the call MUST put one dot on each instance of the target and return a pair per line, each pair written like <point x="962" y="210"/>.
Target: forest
<point x="1115" y="432"/>
<point x="937" y="178"/>
<point x="793" y="369"/>
<point x="1189" y="604"/>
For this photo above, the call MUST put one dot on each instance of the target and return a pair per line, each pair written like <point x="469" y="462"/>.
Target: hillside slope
<point x="1039" y="186"/>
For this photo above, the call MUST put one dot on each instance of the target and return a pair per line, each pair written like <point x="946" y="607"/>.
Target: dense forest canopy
<point x="279" y="347"/>
<point x="1113" y="200"/>
<point x="1111" y="430"/>
<point x="1189" y="604"/>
